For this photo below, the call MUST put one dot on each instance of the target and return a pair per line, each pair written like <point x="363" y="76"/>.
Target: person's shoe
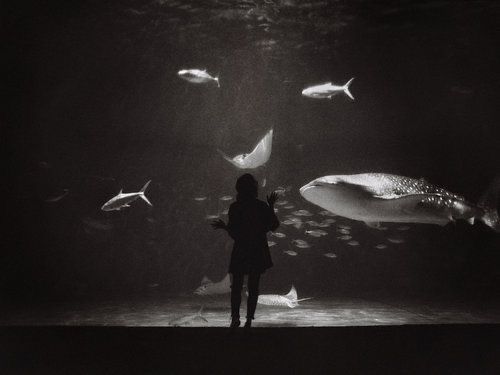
<point x="235" y="322"/>
<point x="248" y="323"/>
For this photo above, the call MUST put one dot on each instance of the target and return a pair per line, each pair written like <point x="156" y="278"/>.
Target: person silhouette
<point x="249" y="221"/>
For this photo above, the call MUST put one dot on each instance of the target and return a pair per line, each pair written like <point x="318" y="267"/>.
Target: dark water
<point x="96" y="106"/>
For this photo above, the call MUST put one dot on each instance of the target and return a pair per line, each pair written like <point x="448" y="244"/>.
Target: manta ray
<point x="258" y="157"/>
<point x="208" y="287"/>
<point x="380" y="197"/>
<point x="291" y="300"/>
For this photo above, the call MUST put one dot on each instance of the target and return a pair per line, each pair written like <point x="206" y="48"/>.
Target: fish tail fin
<point x="489" y="206"/>
<point x="346" y="88"/>
<point x="216" y="79"/>
<point x="304" y="299"/>
<point x="225" y="156"/>
<point x="143" y="190"/>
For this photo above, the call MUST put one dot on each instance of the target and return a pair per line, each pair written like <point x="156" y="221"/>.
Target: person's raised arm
<point x="273" y="222"/>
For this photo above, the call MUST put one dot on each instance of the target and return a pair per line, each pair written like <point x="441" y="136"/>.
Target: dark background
<point x="93" y="105"/>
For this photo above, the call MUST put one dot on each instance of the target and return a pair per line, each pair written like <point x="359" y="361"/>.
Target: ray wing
<point x="261" y="153"/>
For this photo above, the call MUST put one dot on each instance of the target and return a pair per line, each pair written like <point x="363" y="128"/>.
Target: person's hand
<point x="272" y="198"/>
<point x="218" y="224"/>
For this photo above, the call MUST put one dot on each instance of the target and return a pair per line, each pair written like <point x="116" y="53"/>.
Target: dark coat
<point x="249" y="222"/>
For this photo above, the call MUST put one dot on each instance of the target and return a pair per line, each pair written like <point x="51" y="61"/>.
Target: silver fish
<point x="289" y="206"/>
<point x="122" y="200"/>
<point x="278" y="234"/>
<point x="345" y="237"/>
<point x="302" y="213"/>
<point x="381" y="246"/>
<point x="312" y="223"/>
<point x="343" y="231"/>
<point x="197" y="76"/>
<point x="316" y="233"/>
<point x="330" y="255"/>
<point x="327" y="90"/>
<point x="200" y="199"/>
<point x="353" y="243"/>
<point x="395" y="240"/>
<point x="226" y="198"/>
<point x="301" y="244"/>
<point x="271" y="243"/>
<point x="209" y="217"/>
<point x="291" y="252"/>
<point x="380" y="197"/>
<point x="326" y="213"/>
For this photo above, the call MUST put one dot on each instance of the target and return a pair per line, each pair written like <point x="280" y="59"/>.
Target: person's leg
<point x="236" y="287"/>
<point x="253" y="295"/>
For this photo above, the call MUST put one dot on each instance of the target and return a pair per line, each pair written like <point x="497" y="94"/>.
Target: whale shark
<point x="327" y="90"/>
<point x="122" y="200"/>
<point x="208" y="287"/>
<point x="290" y="299"/>
<point x="380" y="197"/>
<point x="197" y="76"/>
<point x="258" y="157"/>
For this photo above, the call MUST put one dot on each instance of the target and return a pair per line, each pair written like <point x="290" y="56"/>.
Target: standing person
<point x="249" y="221"/>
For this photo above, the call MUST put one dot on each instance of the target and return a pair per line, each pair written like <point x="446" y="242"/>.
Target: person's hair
<point x="247" y="187"/>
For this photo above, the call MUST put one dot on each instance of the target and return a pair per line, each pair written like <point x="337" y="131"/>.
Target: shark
<point x="327" y="90"/>
<point x="208" y="287"/>
<point x="290" y="299"/>
<point x="188" y="319"/>
<point x="197" y="76"/>
<point x="123" y="200"/>
<point x="380" y="197"/>
<point x="258" y="157"/>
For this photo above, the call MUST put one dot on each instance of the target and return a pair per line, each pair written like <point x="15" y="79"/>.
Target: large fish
<point x="208" y="287"/>
<point x="197" y="76"/>
<point x="258" y="157"/>
<point x="291" y="299"/>
<point x="327" y="90"/>
<point x="380" y="197"/>
<point x="122" y="200"/>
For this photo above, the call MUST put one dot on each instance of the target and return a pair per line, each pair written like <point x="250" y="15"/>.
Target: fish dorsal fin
<point x="206" y="280"/>
<point x="292" y="294"/>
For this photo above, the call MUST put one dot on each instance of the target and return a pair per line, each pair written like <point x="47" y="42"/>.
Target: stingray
<point x="257" y="158"/>
<point x="290" y="300"/>
<point x="380" y="197"/>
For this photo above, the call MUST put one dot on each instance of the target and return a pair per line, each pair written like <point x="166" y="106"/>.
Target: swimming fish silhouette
<point x="290" y="300"/>
<point x="197" y="76"/>
<point x="123" y="200"/>
<point x="327" y="90"/>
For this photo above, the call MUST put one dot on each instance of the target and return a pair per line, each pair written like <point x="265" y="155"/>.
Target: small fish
<point x="278" y="234"/>
<point x="403" y="228"/>
<point x="302" y="213"/>
<point x="283" y="190"/>
<point x="323" y="225"/>
<point x="226" y="198"/>
<point x="291" y="253"/>
<point x="197" y="76"/>
<point x="288" y="222"/>
<point x="329" y="221"/>
<point x="122" y="200"/>
<point x="281" y="203"/>
<point x="345" y="237"/>
<point x="330" y="255"/>
<point x="200" y="199"/>
<point x="301" y="244"/>
<point x="289" y="207"/>
<point x="327" y="90"/>
<point x="312" y="223"/>
<point x="208" y="287"/>
<point x="353" y="243"/>
<point x="209" y="217"/>
<point x="316" y="233"/>
<point x="57" y="198"/>
<point x="225" y="212"/>
<point x="344" y="226"/>
<point x="343" y="231"/>
<point x="381" y="246"/>
<point x="326" y="213"/>
<point x="271" y="243"/>
<point x="395" y="240"/>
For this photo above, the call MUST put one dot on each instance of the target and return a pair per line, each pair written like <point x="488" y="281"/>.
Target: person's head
<point x="247" y="186"/>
